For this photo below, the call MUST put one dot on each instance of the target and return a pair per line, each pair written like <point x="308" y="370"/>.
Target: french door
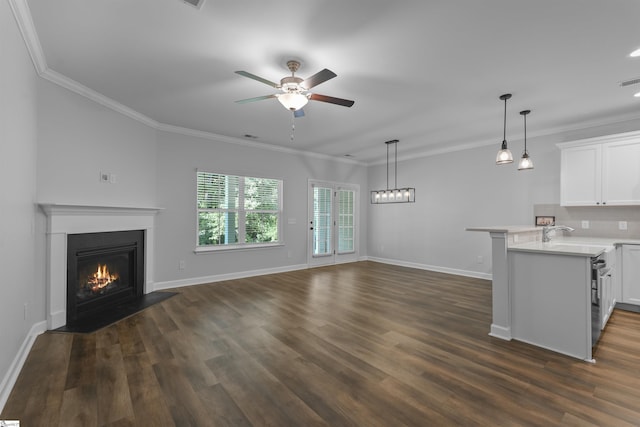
<point x="333" y="223"/>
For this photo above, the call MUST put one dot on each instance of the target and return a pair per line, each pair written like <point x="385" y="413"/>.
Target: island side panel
<point x="550" y="301"/>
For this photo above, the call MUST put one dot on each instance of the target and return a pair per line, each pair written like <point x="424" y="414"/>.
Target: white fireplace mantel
<point x="64" y="219"/>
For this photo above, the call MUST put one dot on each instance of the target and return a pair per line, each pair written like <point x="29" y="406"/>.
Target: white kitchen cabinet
<point x="631" y="274"/>
<point x="621" y="173"/>
<point x="602" y="171"/>
<point x="581" y="176"/>
<point x="607" y="299"/>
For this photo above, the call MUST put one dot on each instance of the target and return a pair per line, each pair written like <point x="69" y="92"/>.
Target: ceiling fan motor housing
<point x="291" y="84"/>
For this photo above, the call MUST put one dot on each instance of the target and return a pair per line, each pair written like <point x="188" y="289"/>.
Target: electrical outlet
<point x="112" y="178"/>
<point x="622" y="225"/>
<point x="585" y="224"/>
<point x="181" y="264"/>
<point x="515" y="238"/>
<point x="480" y="259"/>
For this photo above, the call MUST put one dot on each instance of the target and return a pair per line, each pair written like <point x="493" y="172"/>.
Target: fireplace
<point x="64" y="220"/>
<point x="104" y="271"/>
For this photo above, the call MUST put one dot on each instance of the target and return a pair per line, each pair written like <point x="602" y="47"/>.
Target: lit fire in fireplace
<point x="101" y="278"/>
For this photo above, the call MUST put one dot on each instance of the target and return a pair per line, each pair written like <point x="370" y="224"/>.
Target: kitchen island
<point x="550" y="293"/>
<point x="541" y="291"/>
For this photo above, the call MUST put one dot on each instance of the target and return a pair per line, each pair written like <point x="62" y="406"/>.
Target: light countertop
<point x="505" y="228"/>
<point x="575" y="246"/>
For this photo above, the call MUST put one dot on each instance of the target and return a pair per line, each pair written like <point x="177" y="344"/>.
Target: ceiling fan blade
<point x="260" y="79"/>
<point x="298" y="113"/>
<point x="257" y="98"/>
<point x="332" y="100"/>
<point x="317" y="78"/>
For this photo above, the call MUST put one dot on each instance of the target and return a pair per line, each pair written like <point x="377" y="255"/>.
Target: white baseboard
<point x="11" y="376"/>
<point x="458" y="272"/>
<point x="500" y="332"/>
<point x="229" y="276"/>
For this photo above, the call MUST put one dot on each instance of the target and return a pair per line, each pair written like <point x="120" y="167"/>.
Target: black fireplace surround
<point x="104" y="270"/>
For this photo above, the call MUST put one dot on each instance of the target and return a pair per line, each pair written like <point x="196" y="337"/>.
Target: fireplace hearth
<point x="104" y="272"/>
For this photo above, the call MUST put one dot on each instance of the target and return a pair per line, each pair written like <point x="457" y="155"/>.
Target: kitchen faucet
<point x="546" y="230"/>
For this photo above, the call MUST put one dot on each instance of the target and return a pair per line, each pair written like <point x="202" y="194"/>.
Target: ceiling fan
<point x="295" y="90"/>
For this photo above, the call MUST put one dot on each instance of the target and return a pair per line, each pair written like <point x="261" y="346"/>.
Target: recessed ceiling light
<point x="635" y="53"/>
<point x="637" y="95"/>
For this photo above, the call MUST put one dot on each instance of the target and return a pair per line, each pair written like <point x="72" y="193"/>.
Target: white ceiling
<point x="426" y="72"/>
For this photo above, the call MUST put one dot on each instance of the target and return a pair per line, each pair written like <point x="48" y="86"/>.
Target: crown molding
<point x="251" y="144"/>
<point x="22" y="15"/>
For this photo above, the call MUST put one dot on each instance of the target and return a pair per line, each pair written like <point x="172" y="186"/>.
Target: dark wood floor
<point x="363" y="344"/>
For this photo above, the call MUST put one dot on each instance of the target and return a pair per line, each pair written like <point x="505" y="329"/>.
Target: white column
<point x="501" y="299"/>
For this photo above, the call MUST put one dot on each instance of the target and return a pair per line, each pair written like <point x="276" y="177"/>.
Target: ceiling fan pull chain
<point x="293" y="125"/>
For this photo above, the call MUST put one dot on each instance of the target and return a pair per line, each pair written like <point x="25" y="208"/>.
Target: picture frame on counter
<point x="544" y="221"/>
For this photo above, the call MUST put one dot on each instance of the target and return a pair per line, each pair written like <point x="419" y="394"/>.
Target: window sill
<point x="233" y="248"/>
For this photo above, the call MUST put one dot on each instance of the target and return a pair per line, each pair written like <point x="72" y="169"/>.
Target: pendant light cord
<point x="395" y="166"/>
<point x="525" y="133"/>
<point x="504" y="129"/>
<point x="387" y="166"/>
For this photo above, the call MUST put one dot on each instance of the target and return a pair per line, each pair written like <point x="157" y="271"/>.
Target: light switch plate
<point x="622" y="225"/>
<point x="585" y="224"/>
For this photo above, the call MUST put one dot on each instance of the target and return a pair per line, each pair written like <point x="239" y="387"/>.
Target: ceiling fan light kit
<point x="393" y="195"/>
<point x="292" y="101"/>
<point x="295" y="90"/>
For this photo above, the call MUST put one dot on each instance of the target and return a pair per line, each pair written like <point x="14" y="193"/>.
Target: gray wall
<point x="178" y="158"/>
<point x="18" y="140"/>
<point x="467" y="189"/>
<point x="454" y="191"/>
<point x="78" y="139"/>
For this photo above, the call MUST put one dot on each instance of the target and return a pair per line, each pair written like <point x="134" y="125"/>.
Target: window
<point x="238" y="211"/>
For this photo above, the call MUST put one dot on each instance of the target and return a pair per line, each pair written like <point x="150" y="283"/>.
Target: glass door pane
<point x="346" y="221"/>
<point x="322" y="222"/>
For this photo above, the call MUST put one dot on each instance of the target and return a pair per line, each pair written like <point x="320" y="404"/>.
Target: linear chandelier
<point x="393" y="195"/>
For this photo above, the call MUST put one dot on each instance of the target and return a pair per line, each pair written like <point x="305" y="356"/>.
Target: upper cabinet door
<point x="581" y="176"/>
<point x="621" y="173"/>
<point x="603" y="171"/>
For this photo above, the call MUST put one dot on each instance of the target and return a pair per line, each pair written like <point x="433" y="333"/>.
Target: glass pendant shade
<point x="293" y="100"/>
<point x="525" y="162"/>
<point x="504" y="155"/>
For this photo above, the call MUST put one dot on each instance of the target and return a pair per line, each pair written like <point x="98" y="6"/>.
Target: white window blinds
<point x="236" y="211"/>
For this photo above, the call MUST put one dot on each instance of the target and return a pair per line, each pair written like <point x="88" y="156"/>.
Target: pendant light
<point x="525" y="161"/>
<point x="504" y="155"/>
<point x="393" y="195"/>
